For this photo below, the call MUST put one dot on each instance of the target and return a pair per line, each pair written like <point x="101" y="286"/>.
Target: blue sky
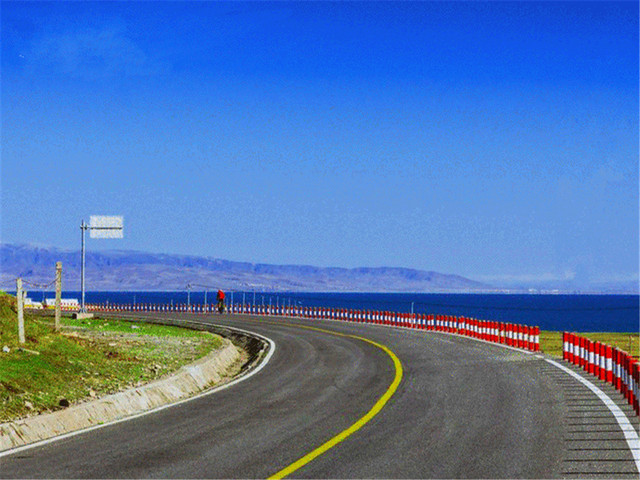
<point x="493" y="140"/>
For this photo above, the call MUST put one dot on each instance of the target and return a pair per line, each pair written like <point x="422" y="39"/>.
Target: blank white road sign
<point x="101" y="226"/>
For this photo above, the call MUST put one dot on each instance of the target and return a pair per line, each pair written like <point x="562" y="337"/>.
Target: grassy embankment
<point x="551" y="342"/>
<point x="88" y="359"/>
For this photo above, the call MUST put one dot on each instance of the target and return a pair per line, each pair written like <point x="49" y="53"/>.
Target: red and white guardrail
<point x="608" y="363"/>
<point x="513" y="335"/>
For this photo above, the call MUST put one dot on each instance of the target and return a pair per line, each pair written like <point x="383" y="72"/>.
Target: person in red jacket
<point x="220" y="301"/>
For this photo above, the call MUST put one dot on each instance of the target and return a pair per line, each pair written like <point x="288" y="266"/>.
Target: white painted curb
<point x="14" y="433"/>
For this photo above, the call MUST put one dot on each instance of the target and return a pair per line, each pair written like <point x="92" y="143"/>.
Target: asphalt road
<point x="464" y="409"/>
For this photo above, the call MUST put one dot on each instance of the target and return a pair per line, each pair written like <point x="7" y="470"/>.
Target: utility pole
<point x="188" y="297"/>
<point x="254" y="297"/>
<point x="83" y="228"/>
<point x="20" y="310"/>
<point x="58" y="296"/>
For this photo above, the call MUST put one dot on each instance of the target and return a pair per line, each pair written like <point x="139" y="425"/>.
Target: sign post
<point x="100" y="226"/>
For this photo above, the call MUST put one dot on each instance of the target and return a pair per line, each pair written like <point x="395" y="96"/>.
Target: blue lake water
<point x="585" y="313"/>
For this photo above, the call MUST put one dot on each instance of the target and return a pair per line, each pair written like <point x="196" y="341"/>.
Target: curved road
<point x="464" y="409"/>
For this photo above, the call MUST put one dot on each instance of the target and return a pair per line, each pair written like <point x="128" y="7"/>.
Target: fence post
<point x="20" y="310"/>
<point x="58" y="295"/>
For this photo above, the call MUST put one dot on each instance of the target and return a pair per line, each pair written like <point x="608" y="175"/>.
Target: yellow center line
<point x="362" y="421"/>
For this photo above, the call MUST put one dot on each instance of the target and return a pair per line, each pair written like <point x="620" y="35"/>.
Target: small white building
<point x="29" y="303"/>
<point x="65" y="303"/>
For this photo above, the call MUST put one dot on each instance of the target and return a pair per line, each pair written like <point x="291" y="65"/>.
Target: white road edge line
<point x="263" y="363"/>
<point x="631" y="436"/>
<point x="629" y="432"/>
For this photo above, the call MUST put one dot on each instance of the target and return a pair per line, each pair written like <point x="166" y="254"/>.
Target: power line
<point x="39" y="286"/>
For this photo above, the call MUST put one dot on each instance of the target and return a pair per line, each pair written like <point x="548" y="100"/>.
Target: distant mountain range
<point x="118" y="270"/>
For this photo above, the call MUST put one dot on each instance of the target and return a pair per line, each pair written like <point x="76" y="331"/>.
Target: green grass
<point x="551" y="342"/>
<point x="92" y="357"/>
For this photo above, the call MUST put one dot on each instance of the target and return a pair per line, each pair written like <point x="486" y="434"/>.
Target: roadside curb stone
<point x="187" y="381"/>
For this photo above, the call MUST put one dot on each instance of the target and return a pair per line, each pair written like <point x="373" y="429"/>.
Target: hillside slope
<point x="131" y="270"/>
